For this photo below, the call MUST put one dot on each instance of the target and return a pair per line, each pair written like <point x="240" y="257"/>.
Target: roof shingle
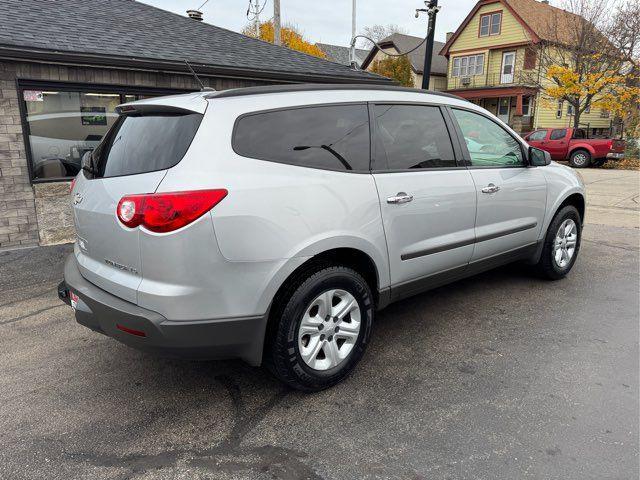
<point x="404" y="43"/>
<point x="340" y="54"/>
<point x="126" y="29"/>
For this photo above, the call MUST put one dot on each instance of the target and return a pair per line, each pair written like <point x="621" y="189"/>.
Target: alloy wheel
<point x="580" y="159"/>
<point x="565" y="242"/>
<point x="329" y="329"/>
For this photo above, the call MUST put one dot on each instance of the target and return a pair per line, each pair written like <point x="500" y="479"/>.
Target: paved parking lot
<point x="498" y="376"/>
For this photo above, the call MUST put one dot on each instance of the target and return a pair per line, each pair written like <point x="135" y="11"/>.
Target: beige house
<point x="398" y="43"/>
<point x="493" y="61"/>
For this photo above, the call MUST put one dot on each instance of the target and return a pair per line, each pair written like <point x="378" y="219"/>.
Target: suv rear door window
<point x="411" y="137"/>
<point x="144" y="143"/>
<point x="333" y="137"/>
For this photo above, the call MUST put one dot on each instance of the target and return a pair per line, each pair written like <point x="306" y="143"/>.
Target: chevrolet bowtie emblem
<point x="77" y="198"/>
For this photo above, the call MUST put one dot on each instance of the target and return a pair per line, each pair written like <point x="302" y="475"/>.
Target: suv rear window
<point x="144" y="143"/>
<point x="333" y="137"/>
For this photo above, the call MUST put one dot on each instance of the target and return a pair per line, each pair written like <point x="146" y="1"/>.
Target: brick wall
<point x="41" y="213"/>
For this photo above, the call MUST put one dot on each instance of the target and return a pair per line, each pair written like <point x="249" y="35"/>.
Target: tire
<point x="548" y="265"/>
<point x="580" y="159"/>
<point x="295" y="314"/>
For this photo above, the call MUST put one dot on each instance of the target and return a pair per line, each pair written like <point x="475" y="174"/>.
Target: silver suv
<point x="271" y="223"/>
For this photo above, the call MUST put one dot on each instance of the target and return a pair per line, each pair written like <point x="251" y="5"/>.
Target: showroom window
<point x="61" y="124"/>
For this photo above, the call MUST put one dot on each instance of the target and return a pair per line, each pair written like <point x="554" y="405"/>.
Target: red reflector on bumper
<point x="137" y="333"/>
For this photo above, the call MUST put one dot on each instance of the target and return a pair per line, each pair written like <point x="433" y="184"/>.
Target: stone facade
<point x="41" y="213"/>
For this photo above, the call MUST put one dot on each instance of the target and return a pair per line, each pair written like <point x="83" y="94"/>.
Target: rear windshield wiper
<point x="91" y="169"/>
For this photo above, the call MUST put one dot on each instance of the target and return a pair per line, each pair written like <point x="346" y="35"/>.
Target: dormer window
<point x="490" y="24"/>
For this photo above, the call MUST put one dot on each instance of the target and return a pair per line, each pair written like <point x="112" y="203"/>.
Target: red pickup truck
<point x="573" y="145"/>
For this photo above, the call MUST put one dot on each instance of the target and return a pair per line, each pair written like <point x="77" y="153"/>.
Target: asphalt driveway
<point x="498" y="376"/>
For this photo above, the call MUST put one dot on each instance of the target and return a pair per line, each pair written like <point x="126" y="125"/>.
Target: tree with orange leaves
<point x="592" y="61"/>
<point x="290" y="36"/>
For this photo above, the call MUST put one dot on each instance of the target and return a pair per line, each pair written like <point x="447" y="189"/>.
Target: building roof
<point x="133" y="34"/>
<point x="340" y="54"/>
<point x="404" y="43"/>
<point x="548" y="22"/>
<point x="543" y="22"/>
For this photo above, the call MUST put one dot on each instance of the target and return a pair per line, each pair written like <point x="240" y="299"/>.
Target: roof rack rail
<point x="310" y="87"/>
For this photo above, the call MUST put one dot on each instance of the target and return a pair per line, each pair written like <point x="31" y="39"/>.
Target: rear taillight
<point x="166" y="212"/>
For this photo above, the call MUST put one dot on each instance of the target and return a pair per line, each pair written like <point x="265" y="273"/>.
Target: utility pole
<point x="276" y="22"/>
<point x="431" y="10"/>
<point x="352" y="51"/>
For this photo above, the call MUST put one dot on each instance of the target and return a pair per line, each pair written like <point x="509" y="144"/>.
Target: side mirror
<point x="538" y="157"/>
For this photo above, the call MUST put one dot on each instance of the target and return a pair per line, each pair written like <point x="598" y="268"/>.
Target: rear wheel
<point x="561" y="244"/>
<point x="580" y="159"/>
<point x="323" y="325"/>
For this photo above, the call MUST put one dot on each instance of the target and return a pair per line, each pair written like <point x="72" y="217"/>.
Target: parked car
<point x="574" y="145"/>
<point x="271" y="223"/>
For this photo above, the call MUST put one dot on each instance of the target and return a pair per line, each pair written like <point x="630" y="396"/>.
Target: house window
<point x="526" y="106"/>
<point x="588" y="108"/>
<point x="490" y="24"/>
<point x="63" y="123"/>
<point x="560" y="108"/>
<point x="604" y="113"/>
<point x="570" y="110"/>
<point x="467" y="66"/>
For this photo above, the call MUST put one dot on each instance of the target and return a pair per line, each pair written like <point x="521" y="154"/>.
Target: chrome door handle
<point x="491" y="188"/>
<point x="400" y="197"/>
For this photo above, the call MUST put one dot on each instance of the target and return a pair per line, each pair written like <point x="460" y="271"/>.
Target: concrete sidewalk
<point x="613" y="197"/>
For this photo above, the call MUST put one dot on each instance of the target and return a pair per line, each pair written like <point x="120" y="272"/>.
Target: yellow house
<point x="493" y="61"/>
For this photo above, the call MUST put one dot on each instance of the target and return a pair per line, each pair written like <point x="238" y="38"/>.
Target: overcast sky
<point x="329" y="21"/>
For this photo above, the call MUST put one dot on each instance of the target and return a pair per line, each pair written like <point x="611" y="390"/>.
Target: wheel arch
<point x="350" y="257"/>
<point x="354" y="258"/>
<point x="572" y="196"/>
<point x="582" y="146"/>
<point x="577" y="200"/>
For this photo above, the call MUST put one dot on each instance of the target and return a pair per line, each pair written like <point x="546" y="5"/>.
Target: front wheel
<point x="323" y="325"/>
<point x="580" y="159"/>
<point x="561" y="244"/>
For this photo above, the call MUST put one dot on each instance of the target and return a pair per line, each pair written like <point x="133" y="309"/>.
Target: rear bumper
<point x="149" y="331"/>
<point x="615" y="156"/>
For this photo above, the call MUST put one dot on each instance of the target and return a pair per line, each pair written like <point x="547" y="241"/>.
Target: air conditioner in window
<point x="466" y="80"/>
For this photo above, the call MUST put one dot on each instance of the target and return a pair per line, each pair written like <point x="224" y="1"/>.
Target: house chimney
<point x="449" y="35"/>
<point x="195" y="14"/>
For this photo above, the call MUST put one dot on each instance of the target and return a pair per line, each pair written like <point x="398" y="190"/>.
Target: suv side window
<point x="488" y="143"/>
<point x="411" y="137"/>
<point x="333" y="137"/>
<point x="558" y="134"/>
<point x="539" y="135"/>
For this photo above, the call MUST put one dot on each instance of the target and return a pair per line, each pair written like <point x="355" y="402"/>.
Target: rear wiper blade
<point x="91" y="170"/>
<point x="91" y="167"/>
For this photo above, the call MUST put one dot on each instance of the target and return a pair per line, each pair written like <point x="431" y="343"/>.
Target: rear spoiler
<point x="149" y="108"/>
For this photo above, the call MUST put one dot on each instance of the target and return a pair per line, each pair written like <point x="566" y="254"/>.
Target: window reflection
<point x="64" y="125"/>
